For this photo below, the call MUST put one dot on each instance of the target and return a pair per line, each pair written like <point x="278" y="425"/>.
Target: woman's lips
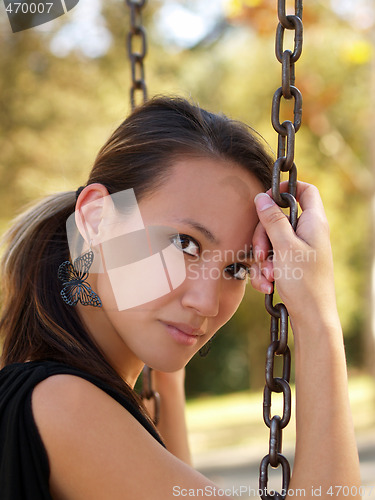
<point x="183" y="334"/>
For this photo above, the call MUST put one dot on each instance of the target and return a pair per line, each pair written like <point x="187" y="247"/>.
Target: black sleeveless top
<point x="24" y="467"/>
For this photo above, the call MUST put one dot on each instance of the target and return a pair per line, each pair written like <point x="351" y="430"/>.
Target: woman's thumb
<point x="272" y="219"/>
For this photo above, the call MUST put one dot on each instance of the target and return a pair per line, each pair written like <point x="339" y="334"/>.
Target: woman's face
<point x="207" y="207"/>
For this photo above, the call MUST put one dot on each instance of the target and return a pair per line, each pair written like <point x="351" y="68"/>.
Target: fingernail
<point x="263" y="201"/>
<point x="266" y="288"/>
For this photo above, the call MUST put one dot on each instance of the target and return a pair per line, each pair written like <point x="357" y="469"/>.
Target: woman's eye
<point x="186" y="243"/>
<point x="238" y="271"/>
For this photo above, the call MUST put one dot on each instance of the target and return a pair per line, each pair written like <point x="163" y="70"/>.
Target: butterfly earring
<point x="75" y="287"/>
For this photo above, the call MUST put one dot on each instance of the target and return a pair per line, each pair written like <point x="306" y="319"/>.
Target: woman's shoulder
<point x="69" y="391"/>
<point x="90" y="438"/>
<point x="69" y="404"/>
<point x="19" y="381"/>
<point x="64" y="402"/>
<point x="104" y="451"/>
<point x="68" y="397"/>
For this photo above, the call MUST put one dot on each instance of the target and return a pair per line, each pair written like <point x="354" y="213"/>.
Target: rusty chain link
<point x="149" y="393"/>
<point x="279" y="314"/>
<point x="137" y="35"/>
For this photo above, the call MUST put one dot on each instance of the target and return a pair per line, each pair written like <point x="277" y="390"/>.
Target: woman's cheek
<point x="230" y="300"/>
<point x="104" y="290"/>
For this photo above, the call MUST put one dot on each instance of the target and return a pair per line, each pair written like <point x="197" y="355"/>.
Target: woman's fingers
<point x="258" y="280"/>
<point x="307" y="196"/>
<point x="302" y="262"/>
<point x="312" y="225"/>
<point x="261" y="274"/>
<point x="261" y="244"/>
<point x="273" y="220"/>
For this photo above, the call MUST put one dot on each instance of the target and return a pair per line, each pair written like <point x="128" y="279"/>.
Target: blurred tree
<point x="333" y="75"/>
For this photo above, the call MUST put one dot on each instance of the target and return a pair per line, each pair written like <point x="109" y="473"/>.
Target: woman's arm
<point x="326" y="454"/>
<point x="97" y="449"/>
<point x="172" y="423"/>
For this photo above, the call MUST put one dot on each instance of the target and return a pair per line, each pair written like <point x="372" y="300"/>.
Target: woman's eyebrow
<point x="241" y="254"/>
<point x="202" y="229"/>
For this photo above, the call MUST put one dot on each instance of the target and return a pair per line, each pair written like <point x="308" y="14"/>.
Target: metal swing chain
<point x="149" y="393"/>
<point x="137" y="35"/>
<point x="279" y="314"/>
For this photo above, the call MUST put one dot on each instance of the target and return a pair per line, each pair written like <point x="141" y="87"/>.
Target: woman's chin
<point x="167" y="365"/>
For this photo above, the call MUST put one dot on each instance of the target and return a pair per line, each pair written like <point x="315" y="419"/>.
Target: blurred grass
<point x="236" y="420"/>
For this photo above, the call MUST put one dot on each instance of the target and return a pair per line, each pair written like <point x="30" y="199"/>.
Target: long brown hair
<point x="35" y="323"/>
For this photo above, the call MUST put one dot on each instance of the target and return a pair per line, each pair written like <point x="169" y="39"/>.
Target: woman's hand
<point x="302" y="269"/>
<point x="301" y="265"/>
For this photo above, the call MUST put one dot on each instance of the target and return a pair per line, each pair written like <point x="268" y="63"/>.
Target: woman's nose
<point x="202" y="290"/>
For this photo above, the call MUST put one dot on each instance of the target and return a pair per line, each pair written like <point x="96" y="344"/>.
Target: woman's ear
<point x="92" y="205"/>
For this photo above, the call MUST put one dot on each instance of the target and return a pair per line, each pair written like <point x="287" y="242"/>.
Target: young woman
<point x="76" y="335"/>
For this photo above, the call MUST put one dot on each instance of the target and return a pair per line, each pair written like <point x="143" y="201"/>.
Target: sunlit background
<point x="64" y="87"/>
